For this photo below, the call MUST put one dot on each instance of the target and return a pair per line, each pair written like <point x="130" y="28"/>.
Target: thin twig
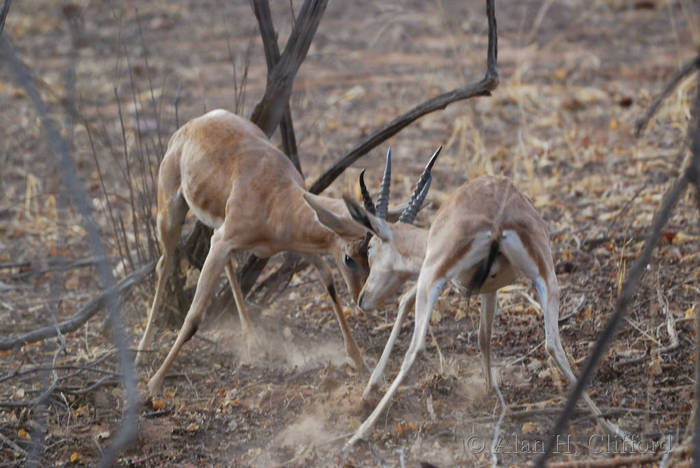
<point x="128" y="432"/>
<point x="624" y="300"/>
<point x="12" y="445"/>
<point x="685" y="70"/>
<point x="86" y="313"/>
<point x="661" y="217"/>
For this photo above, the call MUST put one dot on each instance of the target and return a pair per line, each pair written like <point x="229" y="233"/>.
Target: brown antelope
<point x="485" y="234"/>
<point x="223" y="168"/>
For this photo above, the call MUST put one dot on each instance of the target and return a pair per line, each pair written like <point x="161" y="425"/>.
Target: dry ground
<point x="575" y="75"/>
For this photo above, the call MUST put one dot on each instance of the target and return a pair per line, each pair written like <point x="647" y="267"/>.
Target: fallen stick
<point x="86" y="313"/>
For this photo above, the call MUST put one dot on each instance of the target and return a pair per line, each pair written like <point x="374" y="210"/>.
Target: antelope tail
<point x="482" y="272"/>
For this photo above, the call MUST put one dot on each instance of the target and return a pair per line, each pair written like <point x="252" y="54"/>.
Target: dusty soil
<point x="575" y="76"/>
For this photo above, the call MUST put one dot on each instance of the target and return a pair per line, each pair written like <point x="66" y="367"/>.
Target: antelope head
<point x="349" y="248"/>
<point x="395" y="251"/>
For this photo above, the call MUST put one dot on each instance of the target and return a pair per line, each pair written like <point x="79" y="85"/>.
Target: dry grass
<point x="574" y="78"/>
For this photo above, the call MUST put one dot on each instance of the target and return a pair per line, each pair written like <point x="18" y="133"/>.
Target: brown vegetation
<point x="574" y="78"/>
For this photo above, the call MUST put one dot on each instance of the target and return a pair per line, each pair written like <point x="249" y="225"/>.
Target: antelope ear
<point x="367" y="220"/>
<point x="341" y="225"/>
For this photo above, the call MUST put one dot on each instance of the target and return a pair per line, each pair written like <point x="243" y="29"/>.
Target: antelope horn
<point x="383" y="200"/>
<point x="366" y="197"/>
<point x="409" y="214"/>
<point x="419" y="194"/>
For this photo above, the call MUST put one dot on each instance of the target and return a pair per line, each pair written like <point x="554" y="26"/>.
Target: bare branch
<point x="686" y="70"/>
<point x="3" y="13"/>
<point x="86" y="313"/>
<point x="261" y="8"/>
<point x="254" y="266"/>
<point x="693" y="172"/>
<point x="480" y="88"/>
<point x="661" y="217"/>
<point x="12" y="445"/>
<point x="128" y="432"/>
<point x="268" y="112"/>
<point x="624" y="300"/>
<point x="273" y="108"/>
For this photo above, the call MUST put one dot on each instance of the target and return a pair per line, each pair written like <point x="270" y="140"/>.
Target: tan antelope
<point x="223" y="168"/>
<point x="481" y="238"/>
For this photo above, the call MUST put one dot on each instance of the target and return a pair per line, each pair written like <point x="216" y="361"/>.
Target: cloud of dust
<point x="274" y="346"/>
<point x="309" y="429"/>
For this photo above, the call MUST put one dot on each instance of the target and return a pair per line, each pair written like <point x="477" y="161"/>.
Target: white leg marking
<point x="428" y="290"/>
<point x="488" y="310"/>
<point x="548" y="294"/>
<point x="407" y="300"/>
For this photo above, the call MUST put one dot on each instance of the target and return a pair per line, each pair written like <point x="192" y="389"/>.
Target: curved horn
<point x="409" y="214"/>
<point x="366" y="197"/>
<point x="383" y="200"/>
<point x="426" y="172"/>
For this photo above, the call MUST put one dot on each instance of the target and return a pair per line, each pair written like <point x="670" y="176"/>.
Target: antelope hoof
<point x="154" y="386"/>
<point x="355" y="360"/>
<point x="370" y="390"/>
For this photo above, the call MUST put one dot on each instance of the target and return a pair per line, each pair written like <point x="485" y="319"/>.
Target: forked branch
<point x="268" y="112"/>
<point x="482" y="87"/>
<point x="488" y="83"/>
<point x="261" y="8"/>
<point x="686" y="70"/>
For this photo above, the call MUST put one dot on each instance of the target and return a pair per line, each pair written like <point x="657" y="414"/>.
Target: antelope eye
<point x="348" y="261"/>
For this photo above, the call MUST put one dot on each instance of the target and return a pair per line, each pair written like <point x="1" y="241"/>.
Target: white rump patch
<point x="514" y="250"/>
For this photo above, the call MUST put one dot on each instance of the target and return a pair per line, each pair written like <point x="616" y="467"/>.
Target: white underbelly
<point x="208" y="219"/>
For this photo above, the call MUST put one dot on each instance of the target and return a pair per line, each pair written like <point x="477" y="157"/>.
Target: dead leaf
<point x="80" y="411"/>
<point x="690" y="313"/>
<point x="74" y="457"/>
<point x="158" y="404"/>
<point x="530" y="428"/>
<point x="24" y="435"/>
<point x="194" y="427"/>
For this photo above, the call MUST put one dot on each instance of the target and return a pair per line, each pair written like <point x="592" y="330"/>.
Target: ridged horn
<point x="421" y="191"/>
<point x="383" y="200"/>
<point x="409" y="214"/>
<point x="366" y="197"/>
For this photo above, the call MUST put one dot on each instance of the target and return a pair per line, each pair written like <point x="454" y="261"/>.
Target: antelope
<point x="224" y="168"/>
<point x="481" y="239"/>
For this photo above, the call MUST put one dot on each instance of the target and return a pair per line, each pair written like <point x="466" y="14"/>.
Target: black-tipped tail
<point x="482" y="272"/>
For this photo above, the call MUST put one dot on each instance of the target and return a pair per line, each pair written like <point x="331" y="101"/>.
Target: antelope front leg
<point x="427" y="291"/>
<point x="407" y="300"/>
<point x="163" y="270"/>
<point x="351" y="348"/>
<point x="246" y="323"/>
<point x="169" y="223"/>
<point x="213" y="265"/>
